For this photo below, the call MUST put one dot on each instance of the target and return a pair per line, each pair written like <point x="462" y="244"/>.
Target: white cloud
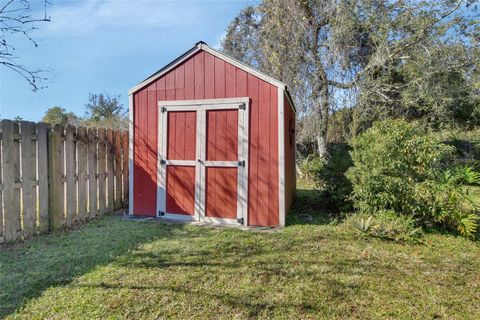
<point x="81" y="18"/>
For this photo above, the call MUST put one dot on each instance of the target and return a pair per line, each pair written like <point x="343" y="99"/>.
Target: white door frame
<point x="201" y="107"/>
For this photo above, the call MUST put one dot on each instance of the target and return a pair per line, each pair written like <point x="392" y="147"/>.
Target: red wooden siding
<point x="204" y="76"/>
<point x="145" y="151"/>
<point x="290" y="173"/>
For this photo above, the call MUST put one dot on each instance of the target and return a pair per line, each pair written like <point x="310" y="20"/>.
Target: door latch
<point x="241" y="163"/>
<point x="163" y="161"/>
<point x="240" y="221"/>
<point x="200" y="161"/>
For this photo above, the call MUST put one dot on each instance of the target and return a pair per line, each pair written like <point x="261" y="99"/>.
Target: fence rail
<point x="51" y="178"/>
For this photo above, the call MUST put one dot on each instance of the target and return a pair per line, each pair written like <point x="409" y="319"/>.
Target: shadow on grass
<point x="250" y="300"/>
<point x="309" y="208"/>
<point x="206" y="277"/>
<point x="27" y="269"/>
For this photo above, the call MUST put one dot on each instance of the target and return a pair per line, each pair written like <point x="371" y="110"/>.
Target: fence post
<point x="11" y="180"/>
<point x="42" y="155"/>
<point x="82" y="173"/>
<point x="29" y="177"/>
<point x="56" y="178"/>
<point x="101" y="172"/>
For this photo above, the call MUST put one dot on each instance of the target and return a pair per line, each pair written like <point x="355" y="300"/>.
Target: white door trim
<point x="221" y="163"/>
<point x="201" y="107"/>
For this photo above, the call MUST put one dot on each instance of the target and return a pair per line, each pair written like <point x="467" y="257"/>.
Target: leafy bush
<point x="401" y="168"/>
<point x="311" y="167"/>
<point x="466" y="175"/>
<point x="450" y="203"/>
<point x="329" y="175"/>
<point x="386" y="225"/>
<point x="389" y="160"/>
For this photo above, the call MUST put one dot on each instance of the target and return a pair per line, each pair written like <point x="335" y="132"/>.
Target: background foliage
<point x="378" y="59"/>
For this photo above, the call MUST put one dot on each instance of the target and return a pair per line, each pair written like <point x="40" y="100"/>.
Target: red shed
<point x="212" y="140"/>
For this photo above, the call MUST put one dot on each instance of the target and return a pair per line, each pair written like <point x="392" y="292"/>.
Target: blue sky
<point x="106" y="46"/>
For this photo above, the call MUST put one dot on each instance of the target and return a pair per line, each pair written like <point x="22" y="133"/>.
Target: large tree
<point x="345" y="54"/>
<point x="17" y="22"/>
<point x="102" y="106"/>
<point x="58" y="115"/>
<point x="103" y="110"/>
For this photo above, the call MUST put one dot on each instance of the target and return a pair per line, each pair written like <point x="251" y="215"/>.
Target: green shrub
<point x="389" y="160"/>
<point x="386" y="225"/>
<point x="401" y="168"/>
<point x="329" y="175"/>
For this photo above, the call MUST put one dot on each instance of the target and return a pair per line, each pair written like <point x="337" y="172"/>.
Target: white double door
<point x="202" y="160"/>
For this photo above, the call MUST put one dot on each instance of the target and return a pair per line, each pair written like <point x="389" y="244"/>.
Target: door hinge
<point x="163" y="109"/>
<point x="161" y="213"/>
<point x="241" y="163"/>
<point x="241" y="106"/>
<point x="163" y="161"/>
<point x="240" y="221"/>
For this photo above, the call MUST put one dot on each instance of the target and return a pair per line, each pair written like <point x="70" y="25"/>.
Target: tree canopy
<point x="58" y="115"/>
<point x="106" y="111"/>
<point x="101" y="110"/>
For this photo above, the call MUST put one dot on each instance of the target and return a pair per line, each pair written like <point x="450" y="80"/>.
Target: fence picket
<point x="11" y="180"/>
<point x="92" y="173"/>
<point x="56" y="177"/>
<point x="82" y="173"/>
<point x="117" y="153"/>
<point x="125" y="166"/>
<point x="42" y="167"/>
<point x="29" y="177"/>
<point x="70" y="175"/>
<point x="102" y="165"/>
<point x="110" y="173"/>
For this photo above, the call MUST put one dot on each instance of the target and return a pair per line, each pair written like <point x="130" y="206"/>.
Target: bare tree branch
<point x="16" y="17"/>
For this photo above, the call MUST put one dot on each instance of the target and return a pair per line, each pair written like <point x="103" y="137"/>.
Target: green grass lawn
<point x="113" y="268"/>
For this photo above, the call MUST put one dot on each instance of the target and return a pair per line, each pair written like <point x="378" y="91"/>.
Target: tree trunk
<point x="321" y="145"/>
<point x="323" y="114"/>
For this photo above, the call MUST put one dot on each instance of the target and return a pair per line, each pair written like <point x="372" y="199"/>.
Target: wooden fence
<point x="52" y="178"/>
